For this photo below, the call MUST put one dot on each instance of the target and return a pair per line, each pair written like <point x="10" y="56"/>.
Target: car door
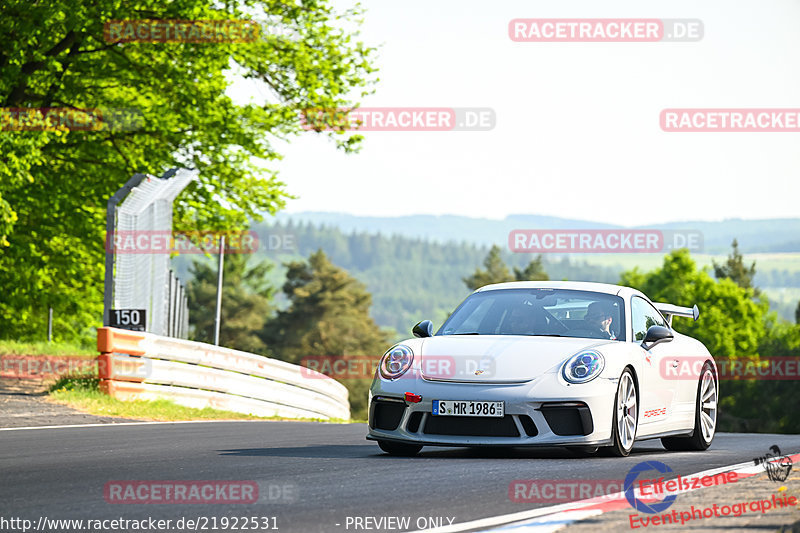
<point x="657" y="392"/>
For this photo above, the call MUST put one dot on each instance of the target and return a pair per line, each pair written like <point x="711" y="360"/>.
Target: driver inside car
<point x="599" y="319"/>
<point x="520" y="321"/>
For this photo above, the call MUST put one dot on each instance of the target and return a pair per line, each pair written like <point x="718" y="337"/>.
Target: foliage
<point x="497" y="271"/>
<point x="246" y="302"/>
<point x="533" y="271"/>
<point x="328" y="316"/>
<point x="54" y="184"/>
<point x="766" y="405"/>
<point x="732" y="325"/>
<point x="83" y="383"/>
<point x="735" y="269"/>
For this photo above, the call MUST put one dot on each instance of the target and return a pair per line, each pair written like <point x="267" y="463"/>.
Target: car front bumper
<point x="546" y="411"/>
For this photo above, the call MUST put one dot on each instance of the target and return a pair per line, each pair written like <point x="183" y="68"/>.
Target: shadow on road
<point x="333" y="451"/>
<point x="371" y="451"/>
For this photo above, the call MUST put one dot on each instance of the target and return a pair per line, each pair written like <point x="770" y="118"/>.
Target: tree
<point x="731" y="323"/>
<point x="534" y="271"/>
<point x="246" y="302"/>
<point x="328" y="316"/>
<point x="735" y="270"/>
<point x="797" y="314"/>
<point x="54" y="184"/>
<point x="496" y="271"/>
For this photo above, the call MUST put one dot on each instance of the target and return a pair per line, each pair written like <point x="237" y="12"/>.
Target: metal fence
<point x="177" y="313"/>
<point x="144" y="281"/>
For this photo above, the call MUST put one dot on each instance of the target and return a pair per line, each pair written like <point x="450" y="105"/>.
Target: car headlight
<point x="396" y="361"/>
<point x="584" y="366"/>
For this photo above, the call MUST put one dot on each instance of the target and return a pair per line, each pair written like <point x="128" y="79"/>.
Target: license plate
<point x="468" y="408"/>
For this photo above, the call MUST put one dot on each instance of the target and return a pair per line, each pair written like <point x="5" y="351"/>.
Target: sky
<point x="577" y="131"/>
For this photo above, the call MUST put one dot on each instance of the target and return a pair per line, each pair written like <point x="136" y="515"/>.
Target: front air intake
<point x="385" y="415"/>
<point x="568" y="418"/>
<point x="470" y="426"/>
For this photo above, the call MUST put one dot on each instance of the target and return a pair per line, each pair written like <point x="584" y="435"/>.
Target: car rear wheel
<point x="626" y="416"/>
<point x="398" y="448"/>
<point x="705" y="416"/>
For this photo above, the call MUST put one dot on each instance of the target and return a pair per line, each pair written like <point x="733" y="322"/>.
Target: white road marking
<point x="551" y="523"/>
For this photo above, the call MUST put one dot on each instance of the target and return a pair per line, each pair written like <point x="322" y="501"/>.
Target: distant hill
<point x="414" y="278"/>
<point x="754" y="236"/>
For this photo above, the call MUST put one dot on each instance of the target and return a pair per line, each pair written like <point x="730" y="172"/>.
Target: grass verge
<point x="83" y="394"/>
<point x="46" y="348"/>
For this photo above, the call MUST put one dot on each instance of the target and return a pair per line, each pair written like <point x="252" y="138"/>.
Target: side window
<point x="644" y="315"/>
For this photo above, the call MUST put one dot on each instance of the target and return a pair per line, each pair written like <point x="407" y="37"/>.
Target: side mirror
<point x="656" y="334"/>
<point x="423" y="329"/>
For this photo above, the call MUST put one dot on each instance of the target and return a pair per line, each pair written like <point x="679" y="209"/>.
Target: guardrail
<point x="144" y="366"/>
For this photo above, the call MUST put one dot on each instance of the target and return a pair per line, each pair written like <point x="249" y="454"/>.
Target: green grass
<point x="46" y="348"/>
<point x="83" y="394"/>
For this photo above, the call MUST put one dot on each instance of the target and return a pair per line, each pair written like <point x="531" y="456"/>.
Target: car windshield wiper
<point x="467" y="333"/>
<point x="546" y="335"/>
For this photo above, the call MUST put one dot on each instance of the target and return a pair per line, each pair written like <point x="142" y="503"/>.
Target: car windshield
<point x="539" y="312"/>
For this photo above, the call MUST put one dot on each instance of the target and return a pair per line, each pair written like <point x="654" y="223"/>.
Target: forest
<point x="358" y="294"/>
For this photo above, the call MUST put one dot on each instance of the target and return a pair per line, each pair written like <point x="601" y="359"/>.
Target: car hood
<point x="496" y="358"/>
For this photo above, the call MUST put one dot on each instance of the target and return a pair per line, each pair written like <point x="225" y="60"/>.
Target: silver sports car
<point x="576" y="364"/>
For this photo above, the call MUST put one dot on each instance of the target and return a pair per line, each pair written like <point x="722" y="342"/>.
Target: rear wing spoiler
<point x="669" y="310"/>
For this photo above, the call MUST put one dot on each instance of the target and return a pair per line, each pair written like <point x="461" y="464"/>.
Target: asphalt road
<point x="311" y="476"/>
